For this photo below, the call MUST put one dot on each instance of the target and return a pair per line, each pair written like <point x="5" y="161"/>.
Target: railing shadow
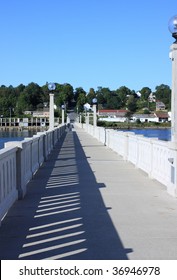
<point x="63" y="215"/>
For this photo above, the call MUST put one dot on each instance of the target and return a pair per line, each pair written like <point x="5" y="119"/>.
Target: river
<point x="161" y="134"/>
<point x="14" y="135"/>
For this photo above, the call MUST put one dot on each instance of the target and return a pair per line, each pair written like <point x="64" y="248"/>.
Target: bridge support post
<point x="51" y="113"/>
<point x="173" y="56"/>
<point x="63" y="116"/>
<point x="94" y="116"/>
<point x="172" y="187"/>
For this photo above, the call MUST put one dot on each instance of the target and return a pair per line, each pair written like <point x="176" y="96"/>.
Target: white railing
<point x="157" y="158"/>
<point x="8" y="184"/>
<point x="19" y="161"/>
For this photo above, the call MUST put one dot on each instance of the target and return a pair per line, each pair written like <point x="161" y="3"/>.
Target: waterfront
<point x="19" y="135"/>
<point x="161" y="134"/>
<point x="14" y="135"/>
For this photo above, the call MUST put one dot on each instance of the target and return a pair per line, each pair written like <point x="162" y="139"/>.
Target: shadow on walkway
<point x="63" y="215"/>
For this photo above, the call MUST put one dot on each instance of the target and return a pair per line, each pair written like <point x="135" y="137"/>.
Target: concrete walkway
<point x="87" y="203"/>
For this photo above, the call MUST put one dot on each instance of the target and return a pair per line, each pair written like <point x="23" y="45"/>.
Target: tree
<point x="145" y="92"/>
<point x="141" y="103"/>
<point x="114" y="102"/>
<point x="77" y="92"/>
<point x="19" y="89"/>
<point x="81" y="99"/>
<point x="100" y="97"/>
<point x="8" y="100"/>
<point x="64" y="94"/>
<point x="15" y="100"/>
<point x="91" y="95"/>
<point x="33" y="95"/>
<point x="123" y="93"/>
<point x="68" y="93"/>
<point x="107" y="98"/>
<point x="163" y="93"/>
<point x="131" y="103"/>
<point x="45" y="91"/>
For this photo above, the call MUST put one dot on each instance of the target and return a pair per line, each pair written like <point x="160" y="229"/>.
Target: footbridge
<point x="86" y="201"/>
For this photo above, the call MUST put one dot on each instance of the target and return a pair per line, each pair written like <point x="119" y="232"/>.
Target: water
<point x="14" y="135"/>
<point x="161" y="134"/>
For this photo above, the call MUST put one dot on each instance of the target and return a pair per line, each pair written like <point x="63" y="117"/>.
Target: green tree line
<point x="15" y="100"/>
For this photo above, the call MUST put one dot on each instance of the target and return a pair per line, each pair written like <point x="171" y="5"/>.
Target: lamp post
<point x="94" y="100"/>
<point x="63" y="114"/>
<point x="173" y="56"/>
<point x="51" y="87"/>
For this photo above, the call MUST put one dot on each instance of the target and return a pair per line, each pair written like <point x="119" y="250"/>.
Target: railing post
<point x="126" y="147"/>
<point x="18" y="162"/>
<point x="151" y="159"/>
<point x="8" y="182"/>
<point x="172" y="159"/>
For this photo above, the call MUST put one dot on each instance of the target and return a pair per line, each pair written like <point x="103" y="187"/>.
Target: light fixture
<point x="51" y="86"/>
<point x="94" y="100"/>
<point x="172" y="26"/>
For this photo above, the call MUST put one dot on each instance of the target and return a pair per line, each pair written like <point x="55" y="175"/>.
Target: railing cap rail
<point x="7" y="151"/>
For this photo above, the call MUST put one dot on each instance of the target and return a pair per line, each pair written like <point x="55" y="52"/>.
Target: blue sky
<point x="87" y="43"/>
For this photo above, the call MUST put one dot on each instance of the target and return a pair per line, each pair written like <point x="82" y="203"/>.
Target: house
<point x="151" y="97"/>
<point x="87" y="107"/>
<point x="154" y="117"/>
<point x="162" y="116"/>
<point x="120" y="116"/>
<point x="112" y="115"/>
<point x="43" y="113"/>
<point x="145" y="117"/>
<point x="28" y="112"/>
<point x="160" y="106"/>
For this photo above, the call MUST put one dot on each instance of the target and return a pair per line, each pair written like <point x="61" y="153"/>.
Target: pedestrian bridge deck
<point x="86" y="202"/>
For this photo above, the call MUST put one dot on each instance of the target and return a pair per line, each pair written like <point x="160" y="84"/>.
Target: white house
<point x="155" y="117"/>
<point x="111" y="115"/>
<point x="145" y="117"/>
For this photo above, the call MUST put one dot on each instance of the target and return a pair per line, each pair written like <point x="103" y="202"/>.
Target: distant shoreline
<point x="115" y="125"/>
<point x="146" y="127"/>
<point x="137" y="127"/>
<point x="17" y="128"/>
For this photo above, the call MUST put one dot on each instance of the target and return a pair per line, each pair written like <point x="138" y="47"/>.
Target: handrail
<point x="20" y="160"/>
<point x="155" y="157"/>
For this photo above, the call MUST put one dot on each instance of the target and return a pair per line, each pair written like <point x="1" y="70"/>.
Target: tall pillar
<point x="87" y="118"/>
<point x="172" y="186"/>
<point x="51" y="112"/>
<point x="63" y="116"/>
<point x="173" y="56"/>
<point x="94" y="116"/>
